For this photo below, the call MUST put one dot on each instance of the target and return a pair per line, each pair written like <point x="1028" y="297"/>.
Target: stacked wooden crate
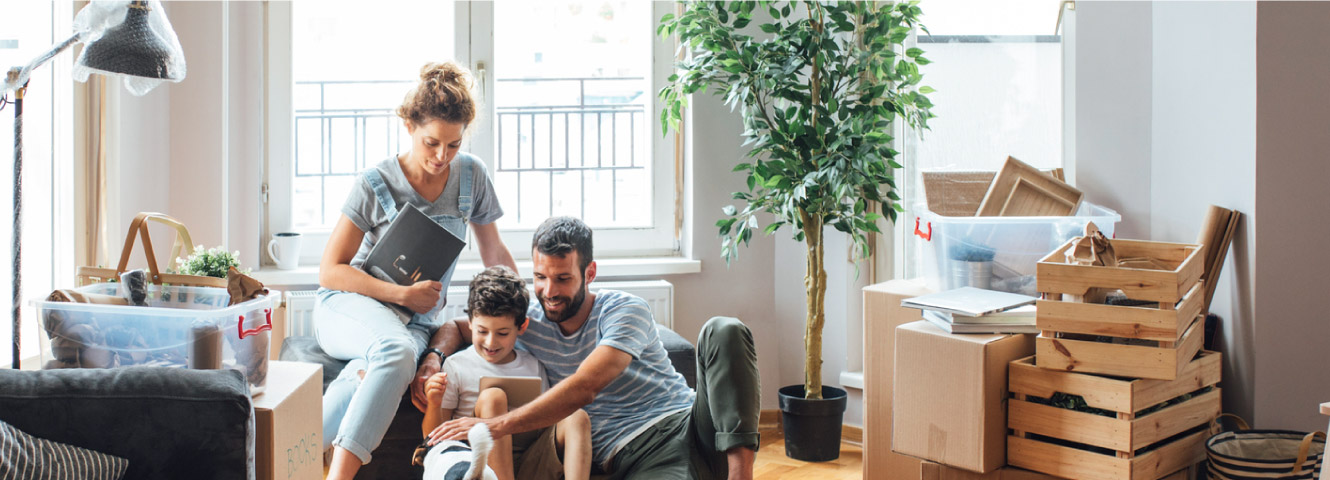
<point x="1148" y="394"/>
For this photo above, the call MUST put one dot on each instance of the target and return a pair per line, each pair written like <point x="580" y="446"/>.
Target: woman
<point x="353" y="320"/>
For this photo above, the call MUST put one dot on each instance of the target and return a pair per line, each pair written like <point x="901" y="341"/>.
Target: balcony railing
<point x="546" y="129"/>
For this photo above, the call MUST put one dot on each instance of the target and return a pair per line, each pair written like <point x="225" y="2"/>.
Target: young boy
<point x="496" y="307"/>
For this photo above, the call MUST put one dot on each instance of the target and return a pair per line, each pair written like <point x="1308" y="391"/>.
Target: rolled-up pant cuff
<point x="726" y="441"/>
<point x="355" y="448"/>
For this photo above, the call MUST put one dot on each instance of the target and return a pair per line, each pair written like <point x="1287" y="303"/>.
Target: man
<point x="601" y="353"/>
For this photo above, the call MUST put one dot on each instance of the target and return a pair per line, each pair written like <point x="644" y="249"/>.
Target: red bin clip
<point x="926" y="236"/>
<point x="255" y="331"/>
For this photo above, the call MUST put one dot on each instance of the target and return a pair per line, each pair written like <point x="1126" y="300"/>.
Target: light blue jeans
<point x="354" y="327"/>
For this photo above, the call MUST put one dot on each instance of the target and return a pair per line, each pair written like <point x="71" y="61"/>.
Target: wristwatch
<point x="429" y="351"/>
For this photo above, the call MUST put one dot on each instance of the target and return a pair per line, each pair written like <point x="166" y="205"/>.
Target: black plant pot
<point x="812" y="427"/>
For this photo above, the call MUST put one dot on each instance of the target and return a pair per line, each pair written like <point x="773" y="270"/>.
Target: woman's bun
<point x="443" y="93"/>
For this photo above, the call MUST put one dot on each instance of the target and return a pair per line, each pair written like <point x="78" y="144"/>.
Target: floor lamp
<point x="123" y="38"/>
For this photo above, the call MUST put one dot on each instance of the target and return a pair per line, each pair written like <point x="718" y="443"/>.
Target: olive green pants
<point x="691" y="444"/>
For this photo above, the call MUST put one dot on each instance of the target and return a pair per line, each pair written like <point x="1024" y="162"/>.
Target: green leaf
<point x="769" y="27"/>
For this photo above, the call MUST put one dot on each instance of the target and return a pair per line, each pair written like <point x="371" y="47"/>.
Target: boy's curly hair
<point x="498" y="292"/>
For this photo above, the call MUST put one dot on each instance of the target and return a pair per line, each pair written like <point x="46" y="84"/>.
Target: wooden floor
<point x="772" y="464"/>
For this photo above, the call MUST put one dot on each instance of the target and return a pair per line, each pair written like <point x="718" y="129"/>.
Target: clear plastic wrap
<point x="129" y="39"/>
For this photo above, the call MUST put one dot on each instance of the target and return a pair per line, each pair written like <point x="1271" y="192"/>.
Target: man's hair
<point x="559" y="235"/>
<point x="498" y="292"/>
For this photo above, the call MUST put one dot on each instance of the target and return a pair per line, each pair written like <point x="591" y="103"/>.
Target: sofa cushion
<point x="306" y="349"/>
<point x="168" y="422"/>
<point x="26" y="456"/>
<point x="682" y="354"/>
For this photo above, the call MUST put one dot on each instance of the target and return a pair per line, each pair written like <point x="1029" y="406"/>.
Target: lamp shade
<point x="132" y="48"/>
<point x="129" y="39"/>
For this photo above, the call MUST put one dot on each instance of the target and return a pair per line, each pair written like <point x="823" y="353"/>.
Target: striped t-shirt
<point x="646" y="391"/>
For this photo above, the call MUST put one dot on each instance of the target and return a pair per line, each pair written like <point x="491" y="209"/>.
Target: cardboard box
<point x="288" y="418"/>
<point x="950" y="395"/>
<point x="278" y="333"/>
<point x="882" y="314"/>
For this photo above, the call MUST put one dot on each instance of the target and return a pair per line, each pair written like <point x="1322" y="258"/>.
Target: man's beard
<point x="570" y="307"/>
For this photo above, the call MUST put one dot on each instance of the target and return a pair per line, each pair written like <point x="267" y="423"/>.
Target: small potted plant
<point x="212" y="262"/>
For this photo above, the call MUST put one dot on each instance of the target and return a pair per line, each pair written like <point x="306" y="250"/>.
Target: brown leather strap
<point x="1304" y="448"/>
<point x="1242" y="424"/>
<point x="139" y="226"/>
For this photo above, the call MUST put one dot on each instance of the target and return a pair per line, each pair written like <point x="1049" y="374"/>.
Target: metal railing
<point x="581" y="131"/>
<point x="588" y="116"/>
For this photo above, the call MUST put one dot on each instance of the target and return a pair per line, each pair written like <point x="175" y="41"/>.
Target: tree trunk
<point x="815" y="285"/>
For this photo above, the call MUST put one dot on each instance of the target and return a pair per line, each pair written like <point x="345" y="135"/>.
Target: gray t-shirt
<point x="363" y="209"/>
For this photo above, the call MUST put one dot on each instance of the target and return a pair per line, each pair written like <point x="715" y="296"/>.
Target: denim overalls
<point x="354" y="327"/>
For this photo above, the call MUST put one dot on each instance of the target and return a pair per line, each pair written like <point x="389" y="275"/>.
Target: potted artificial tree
<point x="819" y="91"/>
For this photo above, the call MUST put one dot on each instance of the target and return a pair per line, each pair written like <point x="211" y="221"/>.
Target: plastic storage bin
<point x="184" y="327"/>
<point x="997" y="253"/>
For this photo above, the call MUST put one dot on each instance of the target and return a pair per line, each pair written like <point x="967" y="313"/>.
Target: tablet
<point x="520" y="390"/>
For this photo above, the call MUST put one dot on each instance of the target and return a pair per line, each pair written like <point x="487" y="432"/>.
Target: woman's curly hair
<point x="443" y="93"/>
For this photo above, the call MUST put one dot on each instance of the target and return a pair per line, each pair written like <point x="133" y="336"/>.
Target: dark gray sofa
<point x="392" y="459"/>
<point x="168" y="422"/>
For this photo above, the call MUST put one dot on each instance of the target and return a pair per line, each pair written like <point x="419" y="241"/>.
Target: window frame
<point x="51" y="201"/>
<point x="473" y="36"/>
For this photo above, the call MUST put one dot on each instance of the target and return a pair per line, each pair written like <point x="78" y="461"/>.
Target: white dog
<point x="454" y="460"/>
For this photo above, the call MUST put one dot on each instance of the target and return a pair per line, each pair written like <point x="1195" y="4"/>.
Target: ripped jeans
<point x="354" y="327"/>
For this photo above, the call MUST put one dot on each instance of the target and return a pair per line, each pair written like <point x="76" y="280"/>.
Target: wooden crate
<point x="1165" y="322"/>
<point x="1072" y="444"/>
<point x="1161" y="361"/>
<point x="1165" y="332"/>
<point x="1056" y="276"/>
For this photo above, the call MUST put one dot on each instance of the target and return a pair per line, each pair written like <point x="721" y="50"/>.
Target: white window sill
<point x="853" y="380"/>
<point x="607" y="268"/>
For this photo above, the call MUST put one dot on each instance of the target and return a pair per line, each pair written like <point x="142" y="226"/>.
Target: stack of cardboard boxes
<point x="935" y="403"/>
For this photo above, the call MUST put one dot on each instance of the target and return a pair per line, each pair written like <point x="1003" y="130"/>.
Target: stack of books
<point x="975" y="310"/>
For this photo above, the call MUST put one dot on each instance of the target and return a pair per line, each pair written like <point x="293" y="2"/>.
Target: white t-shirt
<point x="464" y="370"/>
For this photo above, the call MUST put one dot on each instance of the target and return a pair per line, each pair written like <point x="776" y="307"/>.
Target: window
<point x="997" y="69"/>
<point x="30" y="29"/>
<point x="568" y="125"/>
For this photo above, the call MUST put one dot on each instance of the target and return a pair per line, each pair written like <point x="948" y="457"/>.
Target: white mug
<point x="288" y="244"/>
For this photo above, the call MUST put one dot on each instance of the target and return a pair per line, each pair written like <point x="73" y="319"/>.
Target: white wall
<point x="198" y="141"/>
<point x="1112" y="87"/>
<point x="245" y="129"/>
<point x="743" y="289"/>
<point x="1165" y="110"/>
<point x="1203" y="152"/>
<point x="844" y="307"/>
<point x="193" y="150"/>
<point x="1236" y="110"/>
<point x="1292" y="138"/>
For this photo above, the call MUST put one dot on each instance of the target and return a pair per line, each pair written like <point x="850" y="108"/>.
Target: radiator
<point x="659" y="294"/>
